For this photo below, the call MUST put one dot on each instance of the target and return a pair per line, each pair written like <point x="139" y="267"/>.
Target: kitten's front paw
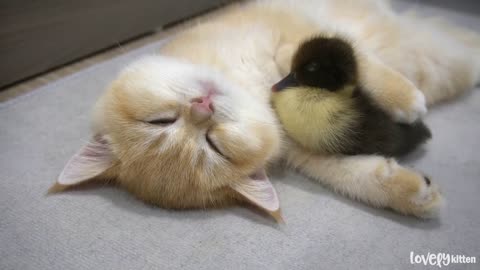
<point x="412" y="109"/>
<point x="409" y="192"/>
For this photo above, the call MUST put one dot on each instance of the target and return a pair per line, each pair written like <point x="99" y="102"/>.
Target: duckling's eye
<point x="311" y="67"/>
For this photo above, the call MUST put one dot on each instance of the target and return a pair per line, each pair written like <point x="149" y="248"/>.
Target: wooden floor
<point x="48" y="77"/>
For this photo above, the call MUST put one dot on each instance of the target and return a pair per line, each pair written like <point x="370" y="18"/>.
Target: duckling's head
<point x="314" y="102"/>
<point x="322" y="63"/>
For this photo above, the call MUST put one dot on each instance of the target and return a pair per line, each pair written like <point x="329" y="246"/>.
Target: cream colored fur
<point x="404" y="62"/>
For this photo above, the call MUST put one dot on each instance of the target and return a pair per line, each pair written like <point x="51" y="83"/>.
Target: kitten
<point x="194" y="129"/>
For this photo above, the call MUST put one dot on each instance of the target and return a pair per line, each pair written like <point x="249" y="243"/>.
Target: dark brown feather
<point x="330" y="64"/>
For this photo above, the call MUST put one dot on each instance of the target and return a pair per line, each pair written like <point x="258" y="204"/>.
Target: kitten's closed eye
<point x="163" y="121"/>
<point x="213" y="145"/>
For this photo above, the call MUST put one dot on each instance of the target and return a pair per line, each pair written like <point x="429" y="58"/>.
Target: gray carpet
<point x="106" y="228"/>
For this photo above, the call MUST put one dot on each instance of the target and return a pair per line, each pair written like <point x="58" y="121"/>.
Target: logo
<point x="441" y="259"/>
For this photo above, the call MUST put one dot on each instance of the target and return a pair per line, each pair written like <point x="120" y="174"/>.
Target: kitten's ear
<point x="258" y="189"/>
<point x="91" y="160"/>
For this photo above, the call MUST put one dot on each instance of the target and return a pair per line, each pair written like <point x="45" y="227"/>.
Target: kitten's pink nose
<point x="202" y="108"/>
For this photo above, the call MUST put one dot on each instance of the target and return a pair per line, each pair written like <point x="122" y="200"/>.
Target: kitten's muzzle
<point x="201" y="109"/>
<point x="288" y="81"/>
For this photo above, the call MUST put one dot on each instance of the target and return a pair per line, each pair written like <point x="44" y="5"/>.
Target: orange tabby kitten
<point x="193" y="127"/>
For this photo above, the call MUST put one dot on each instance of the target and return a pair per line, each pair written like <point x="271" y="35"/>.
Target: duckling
<point x="322" y="106"/>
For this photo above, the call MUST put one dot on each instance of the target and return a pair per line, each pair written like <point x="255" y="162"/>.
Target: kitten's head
<point x="179" y="136"/>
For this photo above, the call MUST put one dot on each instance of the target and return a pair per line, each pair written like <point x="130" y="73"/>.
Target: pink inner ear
<point x="258" y="189"/>
<point x="90" y="161"/>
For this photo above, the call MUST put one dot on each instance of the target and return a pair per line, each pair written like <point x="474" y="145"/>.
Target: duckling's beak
<point x="286" y="82"/>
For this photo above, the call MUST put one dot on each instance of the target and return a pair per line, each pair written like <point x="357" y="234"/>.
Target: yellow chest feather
<point x="318" y="120"/>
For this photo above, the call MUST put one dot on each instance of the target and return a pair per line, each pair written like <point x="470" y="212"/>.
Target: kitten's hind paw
<point x="413" y="194"/>
<point x="409" y="192"/>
